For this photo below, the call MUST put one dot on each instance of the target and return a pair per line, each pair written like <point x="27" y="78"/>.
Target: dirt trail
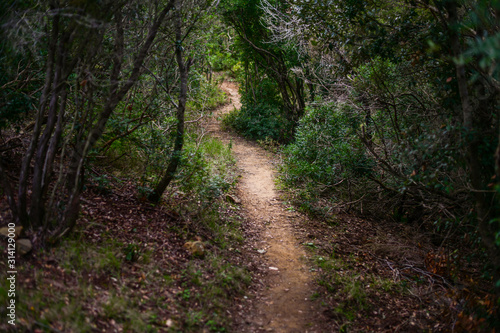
<point x="284" y="305"/>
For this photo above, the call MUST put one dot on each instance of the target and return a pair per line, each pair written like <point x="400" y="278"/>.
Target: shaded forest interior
<point x="381" y="117"/>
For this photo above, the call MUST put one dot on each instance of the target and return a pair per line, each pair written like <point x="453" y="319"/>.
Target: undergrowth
<point x="346" y="290"/>
<point x="262" y="116"/>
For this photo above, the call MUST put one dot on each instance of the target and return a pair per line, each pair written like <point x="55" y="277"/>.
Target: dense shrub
<point x="257" y="121"/>
<point x="203" y="94"/>
<point x="262" y="116"/>
<point x="207" y="171"/>
<point x="326" y="151"/>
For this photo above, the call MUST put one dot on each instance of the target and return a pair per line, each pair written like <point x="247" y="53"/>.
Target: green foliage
<point x="147" y="150"/>
<point x="270" y="89"/>
<point x="326" y="150"/>
<point x="14" y="104"/>
<point x="203" y="94"/>
<point x="261" y="117"/>
<point x="132" y="252"/>
<point x="258" y="122"/>
<point x="19" y="76"/>
<point x="484" y="48"/>
<point x="414" y="73"/>
<point x="222" y="56"/>
<point x="206" y="171"/>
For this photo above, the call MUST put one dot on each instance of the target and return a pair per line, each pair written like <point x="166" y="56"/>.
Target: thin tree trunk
<point x="36" y="209"/>
<point x="179" y="138"/>
<point x="24" y="174"/>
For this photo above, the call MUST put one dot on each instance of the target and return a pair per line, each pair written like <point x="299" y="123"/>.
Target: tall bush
<point x="327" y="156"/>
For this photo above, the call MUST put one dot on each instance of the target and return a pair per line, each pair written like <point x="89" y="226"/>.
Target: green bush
<point x="258" y="121"/>
<point x="326" y="149"/>
<point x="206" y="171"/>
<point x="261" y="116"/>
<point x="203" y="94"/>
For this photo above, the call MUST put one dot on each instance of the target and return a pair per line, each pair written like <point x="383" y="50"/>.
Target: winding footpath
<point x="283" y="305"/>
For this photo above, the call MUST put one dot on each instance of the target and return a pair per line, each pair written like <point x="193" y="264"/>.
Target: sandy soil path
<point x="283" y="305"/>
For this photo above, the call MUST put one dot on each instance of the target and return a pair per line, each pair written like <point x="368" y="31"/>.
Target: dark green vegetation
<point x="387" y="109"/>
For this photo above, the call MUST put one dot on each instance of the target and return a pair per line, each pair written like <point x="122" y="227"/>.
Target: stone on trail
<point x="23" y="246"/>
<point x="233" y="199"/>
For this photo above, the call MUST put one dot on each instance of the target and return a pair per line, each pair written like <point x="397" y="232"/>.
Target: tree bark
<point x="36" y="212"/>
<point x="181" y="107"/>
<point x="24" y="174"/>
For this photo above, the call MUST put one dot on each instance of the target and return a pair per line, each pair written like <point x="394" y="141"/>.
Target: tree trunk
<point x="181" y="107"/>
<point x="36" y="212"/>
<point x="24" y="174"/>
